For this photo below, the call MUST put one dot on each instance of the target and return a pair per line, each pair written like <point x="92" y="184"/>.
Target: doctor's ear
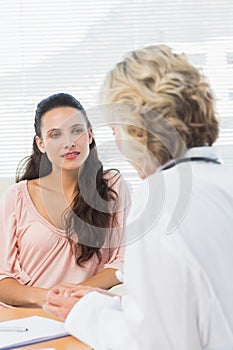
<point x="138" y="134"/>
<point x="40" y="144"/>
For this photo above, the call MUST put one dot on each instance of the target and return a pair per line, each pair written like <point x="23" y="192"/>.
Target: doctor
<point x="179" y="261"/>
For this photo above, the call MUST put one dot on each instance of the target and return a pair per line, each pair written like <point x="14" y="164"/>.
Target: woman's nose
<point x="69" y="141"/>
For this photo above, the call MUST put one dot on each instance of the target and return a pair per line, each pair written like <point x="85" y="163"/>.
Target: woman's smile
<point x="71" y="155"/>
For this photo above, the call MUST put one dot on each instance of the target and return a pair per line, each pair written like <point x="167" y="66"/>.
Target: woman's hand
<point x="61" y="299"/>
<point x="63" y="288"/>
<point x="58" y="304"/>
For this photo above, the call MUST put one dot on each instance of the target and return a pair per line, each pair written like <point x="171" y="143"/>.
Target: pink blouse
<point x="36" y="253"/>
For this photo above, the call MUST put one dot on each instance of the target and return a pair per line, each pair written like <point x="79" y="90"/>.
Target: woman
<point x="62" y="221"/>
<point x="181" y="244"/>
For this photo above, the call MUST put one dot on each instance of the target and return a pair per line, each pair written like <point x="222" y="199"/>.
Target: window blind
<point x="51" y="46"/>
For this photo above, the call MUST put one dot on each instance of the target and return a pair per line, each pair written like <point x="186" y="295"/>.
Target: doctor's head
<point x="158" y="105"/>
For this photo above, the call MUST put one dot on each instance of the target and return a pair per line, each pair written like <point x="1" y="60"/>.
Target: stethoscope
<point x="191" y="159"/>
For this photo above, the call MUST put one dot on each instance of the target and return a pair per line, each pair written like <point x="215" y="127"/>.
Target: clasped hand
<point x="61" y="298"/>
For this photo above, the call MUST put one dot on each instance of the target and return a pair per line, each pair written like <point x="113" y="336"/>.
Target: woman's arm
<point x="104" y="279"/>
<point x="16" y="294"/>
<point x="12" y="292"/>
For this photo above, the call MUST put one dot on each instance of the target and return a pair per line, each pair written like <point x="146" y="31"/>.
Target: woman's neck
<point x="64" y="182"/>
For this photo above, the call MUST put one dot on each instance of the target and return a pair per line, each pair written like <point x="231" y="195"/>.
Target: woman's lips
<point x="71" y="155"/>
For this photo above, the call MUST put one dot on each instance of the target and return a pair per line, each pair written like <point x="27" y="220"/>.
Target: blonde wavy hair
<point x="167" y="97"/>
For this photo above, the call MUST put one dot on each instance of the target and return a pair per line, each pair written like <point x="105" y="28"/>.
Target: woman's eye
<point x="77" y="131"/>
<point x="54" y="135"/>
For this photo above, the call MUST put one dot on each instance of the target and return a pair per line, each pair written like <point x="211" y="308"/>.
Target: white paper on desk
<point x="39" y="329"/>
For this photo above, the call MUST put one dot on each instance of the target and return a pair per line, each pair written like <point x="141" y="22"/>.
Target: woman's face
<point x="65" y="138"/>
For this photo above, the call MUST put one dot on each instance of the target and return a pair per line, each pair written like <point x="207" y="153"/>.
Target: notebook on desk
<point x="29" y="330"/>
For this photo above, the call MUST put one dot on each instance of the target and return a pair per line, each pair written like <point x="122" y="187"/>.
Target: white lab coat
<point x="178" y="267"/>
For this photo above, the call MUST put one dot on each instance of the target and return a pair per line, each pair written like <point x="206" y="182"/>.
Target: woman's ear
<point x="90" y="134"/>
<point x="40" y="144"/>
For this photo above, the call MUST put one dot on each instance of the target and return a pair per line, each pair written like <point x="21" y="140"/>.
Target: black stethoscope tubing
<point x="191" y="159"/>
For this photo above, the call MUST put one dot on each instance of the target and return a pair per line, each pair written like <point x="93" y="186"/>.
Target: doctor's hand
<point x="59" y="304"/>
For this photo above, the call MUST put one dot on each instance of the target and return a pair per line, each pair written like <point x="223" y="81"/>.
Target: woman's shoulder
<point x="14" y="187"/>
<point x="13" y="193"/>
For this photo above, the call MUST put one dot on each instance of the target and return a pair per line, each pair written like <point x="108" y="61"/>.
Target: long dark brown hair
<point x="91" y="213"/>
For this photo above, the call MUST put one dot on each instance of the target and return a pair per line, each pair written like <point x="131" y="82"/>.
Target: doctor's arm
<point x="162" y="314"/>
